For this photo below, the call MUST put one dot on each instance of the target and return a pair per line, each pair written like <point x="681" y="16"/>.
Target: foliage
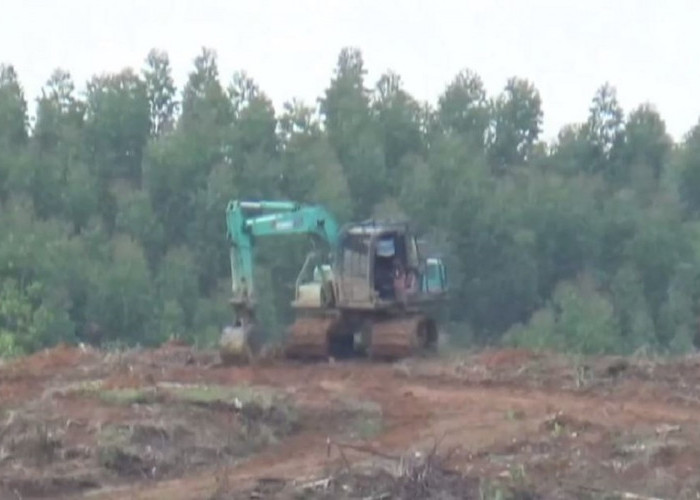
<point x="579" y="319"/>
<point x="112" y="204"/>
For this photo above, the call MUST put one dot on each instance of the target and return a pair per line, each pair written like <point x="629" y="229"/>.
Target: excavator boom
<point x="245" y="222"/>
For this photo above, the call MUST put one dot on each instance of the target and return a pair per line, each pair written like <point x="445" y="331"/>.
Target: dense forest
<point x="113" y="200"/>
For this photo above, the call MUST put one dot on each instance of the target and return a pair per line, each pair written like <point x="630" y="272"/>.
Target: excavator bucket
<point x="235" y="346"/>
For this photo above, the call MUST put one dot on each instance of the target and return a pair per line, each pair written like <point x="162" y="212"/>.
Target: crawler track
<point x="398" y="338"/>
<point x="309" y="338"/>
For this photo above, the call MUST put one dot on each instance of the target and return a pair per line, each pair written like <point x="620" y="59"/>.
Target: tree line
<point x="112" y="205"/>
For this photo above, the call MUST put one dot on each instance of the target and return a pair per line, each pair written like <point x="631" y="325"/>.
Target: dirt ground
<point x="170" y="423"/>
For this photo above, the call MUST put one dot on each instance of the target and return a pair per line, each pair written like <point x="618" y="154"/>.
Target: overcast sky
<point x="647" y="49"/>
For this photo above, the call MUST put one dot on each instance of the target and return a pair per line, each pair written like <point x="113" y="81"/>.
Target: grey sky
<point x="647" y="49"/>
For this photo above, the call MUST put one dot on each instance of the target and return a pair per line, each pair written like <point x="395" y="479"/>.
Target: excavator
<point x="363" y="290"/>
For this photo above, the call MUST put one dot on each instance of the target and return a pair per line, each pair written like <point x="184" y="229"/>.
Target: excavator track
<point x="398" y="338"/>
<point x="310" y="338"/>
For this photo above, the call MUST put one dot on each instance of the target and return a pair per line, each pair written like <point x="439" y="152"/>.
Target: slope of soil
<point x="170" y="423"/>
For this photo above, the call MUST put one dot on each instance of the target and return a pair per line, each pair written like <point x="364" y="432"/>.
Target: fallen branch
<point x="364" y="449"/>
<point x="319" y="483"/>
<point x="397" y="458"/>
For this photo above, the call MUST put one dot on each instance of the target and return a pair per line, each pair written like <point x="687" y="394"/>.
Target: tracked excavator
<point x="363" y="290"/>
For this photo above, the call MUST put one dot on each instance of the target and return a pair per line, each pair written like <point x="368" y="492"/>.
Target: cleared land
<point x="170" y="423"/>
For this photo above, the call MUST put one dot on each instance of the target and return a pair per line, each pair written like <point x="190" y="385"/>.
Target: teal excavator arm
<point x="246" y="220"/>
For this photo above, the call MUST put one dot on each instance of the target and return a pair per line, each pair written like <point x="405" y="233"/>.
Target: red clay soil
<point x="416" y="413"/>
<point x="47" y="361"/>
<point x="26" y="377"/>
<point x="505" y="357"/>
<point x="587" y="436"/>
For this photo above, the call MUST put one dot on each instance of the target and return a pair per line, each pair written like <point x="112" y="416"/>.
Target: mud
<point x="171" y="423"/>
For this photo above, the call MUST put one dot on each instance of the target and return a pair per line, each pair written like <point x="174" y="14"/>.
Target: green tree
<point x="252" y="145"/>
<point x="647" y="145"/>
<point x="177" y="165"/>
<point x="121" y="302"/>
<point x="310" y="170"/>
<point x="205" y="106"/>
<point x="60" y="118"/>
<point x="463" y="109"/>
<point x="56" y="145"/>
<point x="161" y="91"/>
<point x="29" y="320"/>
<point x="13" y="110"/>
<point x="400" y="123"/>
<point x="572" y="152"/>
<point x="13" y="126"/>
<point x="136" y="218"/>
<point x="632" y="309"/>
<point x="580" y="319"/>
<point x="353" y="132"/>
<point x="117" y="125"/>
<point x="605" y="131"/>
<point x="517" y="120"/>
<point x="112" y="206"/>
<point x="177" y="285"/>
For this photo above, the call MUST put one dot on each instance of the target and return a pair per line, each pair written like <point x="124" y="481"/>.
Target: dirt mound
<point x="24" y="378"/>
<point x="178" y="352"/>
<point x="163" y="423"/>
<point x="48" y="361"/>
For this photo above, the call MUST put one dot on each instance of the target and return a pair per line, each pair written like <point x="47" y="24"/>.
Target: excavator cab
<point x="379" y="265"/>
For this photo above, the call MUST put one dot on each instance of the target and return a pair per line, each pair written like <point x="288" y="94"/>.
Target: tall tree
<point x="177" y="165"/>
<point x="117" y="125"/>
<point x="353" y="133"/>
<point x="57" y="144"/>
<point x="605" y="131"/>
<point x="646" y="142"/>
<point x="399" y="119"/>
<point x="517" y="120"/>
<point x="161" y="90"/>
<point x="311" y="171"/>
<point x="572" y="152"/>
<point x="13" y="110"/>
<point x="252" y="145"/>
<point x="60" y="117"/>
<point x="204" y="102"/>
<point x="13" y="126"/>
<point x="463" y="109"/>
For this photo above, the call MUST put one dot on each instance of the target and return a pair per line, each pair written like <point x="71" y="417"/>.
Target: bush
<point x="578" y="319"/>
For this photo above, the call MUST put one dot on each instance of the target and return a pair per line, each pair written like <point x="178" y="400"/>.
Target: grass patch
<point x="367" y="427"/>
<point x="128" y="396"/>
<point x="366" y="418"/>
<point x="514" y="415"/>
<point x="241" y="395"/>
<point x="201" y="395"/>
